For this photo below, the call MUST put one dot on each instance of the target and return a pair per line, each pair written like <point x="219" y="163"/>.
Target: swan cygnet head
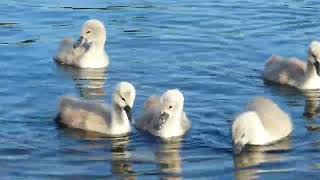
<point x="314" y="55"/>
<point x="93" y="33"/>
<point x="124" y="96"/>
<point x="246" y="129"/>
<point x="171" y="105"/>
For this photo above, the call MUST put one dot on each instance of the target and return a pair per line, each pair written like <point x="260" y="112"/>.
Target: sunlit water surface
<point x="214" y="51"/>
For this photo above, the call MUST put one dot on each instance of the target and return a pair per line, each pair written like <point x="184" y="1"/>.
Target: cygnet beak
<point x="128" y="111"/>
<point x="317" y="67"/>
<point x="237" y="148"/>
<point x="162" y="119"/>
<point x="82" y="40"/>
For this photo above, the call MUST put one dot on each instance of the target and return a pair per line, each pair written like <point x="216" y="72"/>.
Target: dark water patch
<point x="8" y="24"/>
<point x="28" y="41"/>
<point x="132" y="30"/>
<point x="108" y="8"/>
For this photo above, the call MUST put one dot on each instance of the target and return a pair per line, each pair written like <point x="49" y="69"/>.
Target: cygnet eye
<point x="88" y="32"/>
<point x="242" y="136"/>
<point x="170" y="107"/>
<point x="123" y="99"/>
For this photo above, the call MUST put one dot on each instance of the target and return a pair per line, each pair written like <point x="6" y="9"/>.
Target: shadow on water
<point x="250" y="162"/>
<point x="89" y="82"/>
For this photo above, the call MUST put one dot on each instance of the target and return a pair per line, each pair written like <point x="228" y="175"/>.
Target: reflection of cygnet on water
<point x="90" y="82"/>
<point x="247" y="164"/>
<point x="168" y="156"/>
<point x="311" y="109"/>
<point x="117" y="151"/>
<point x="120" y="162"/>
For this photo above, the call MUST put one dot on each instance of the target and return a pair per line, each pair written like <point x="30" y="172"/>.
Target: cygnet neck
<point x="173" y="126"/>
<point x="98" y="47"/>
<point x="311" y="70"/>
<point x="119" y="116"/>
<point x="311" y="79"/>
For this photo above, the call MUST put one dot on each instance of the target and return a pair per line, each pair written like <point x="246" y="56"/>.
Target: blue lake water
<point x="214" y="51"/>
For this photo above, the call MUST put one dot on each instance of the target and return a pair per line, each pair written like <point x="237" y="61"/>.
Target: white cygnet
<point x="97" y="117"/>
<point x="164" y="116"/>
<point x="294" y="72"/>
<point x="263" y="123"/>
<point x="88" y="51"/>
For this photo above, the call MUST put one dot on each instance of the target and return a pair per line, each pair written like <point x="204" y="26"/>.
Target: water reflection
<point x="311" y="109"/>
<point x="120" y="160"/>
<point x="247" y="163"/>
<point x="90" y="82"/>
<point x="121" y="165"/>
<point x="282" y="90"/>
<point x="312" y="97"/>
<point x="168" y="157"/>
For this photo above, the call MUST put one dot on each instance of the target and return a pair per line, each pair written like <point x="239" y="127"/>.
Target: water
<point x="214" y="51"/>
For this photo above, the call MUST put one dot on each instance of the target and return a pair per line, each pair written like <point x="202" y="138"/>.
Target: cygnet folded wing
<point x="84" y="115"/>
<point x="275" y="121"/>
<point x="67" y="54"/>
<point x="284" y="71"/>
